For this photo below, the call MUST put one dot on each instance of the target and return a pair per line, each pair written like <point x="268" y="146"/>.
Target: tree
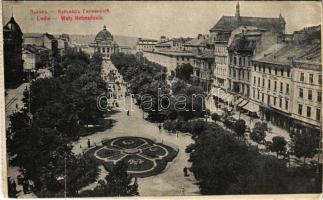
<point x="258" y="133"/>
<point x="279" y="145"/>
<point x="117" y="183"/>
<point x="196" y="127"/>
<point x="218" y="159"/>
<point x="305" y="144"/>
<point x="184" y="71"/>
<point x="240" y="128"/>
<point x="267" y="177"/>
<point x="215" y="117"/>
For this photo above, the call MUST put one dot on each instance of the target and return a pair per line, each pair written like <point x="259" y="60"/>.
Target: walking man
<point x="88" y="143"/>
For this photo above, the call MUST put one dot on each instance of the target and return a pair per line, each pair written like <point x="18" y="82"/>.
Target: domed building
<point x="13" y="64"/>
<point x="104" y="44"/>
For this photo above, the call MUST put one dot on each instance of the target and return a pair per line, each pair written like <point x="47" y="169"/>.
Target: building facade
<point x="145" y="44"/>
<point x="104" y="44"/>
<point x="234" y="77"/>
<point x="287" y="84"/>
<point x="169" y="59"/>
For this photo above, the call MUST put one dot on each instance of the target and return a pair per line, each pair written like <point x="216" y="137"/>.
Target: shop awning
<point x="242" y="103"/>
<point x="238" y="101"/>
<point x="252" y="107"/>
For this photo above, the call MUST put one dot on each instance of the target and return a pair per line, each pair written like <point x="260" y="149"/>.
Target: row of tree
<point x="39" y="135"/>
<point x="161" y="100"/>
<point x="221" y="163"/>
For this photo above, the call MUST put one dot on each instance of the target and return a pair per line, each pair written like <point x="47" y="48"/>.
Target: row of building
<point x="28" y="52"/>
<point x="252" y="64"/>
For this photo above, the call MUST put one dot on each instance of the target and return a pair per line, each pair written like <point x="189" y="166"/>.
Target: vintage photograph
<point x="160" y="98"/>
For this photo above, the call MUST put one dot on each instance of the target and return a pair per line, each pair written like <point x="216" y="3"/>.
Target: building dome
<point x="13" y="27"/>
<point x="104" y="35"/>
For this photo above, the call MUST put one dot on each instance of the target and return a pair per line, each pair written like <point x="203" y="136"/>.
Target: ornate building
<point x="223" y="33"/>
<point x="104" y="44"/>
<point x="13" y="63"/>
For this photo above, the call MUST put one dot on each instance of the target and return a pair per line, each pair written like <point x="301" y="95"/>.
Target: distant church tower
<point x="13" y="63"/>
<point x="237" y="15"/>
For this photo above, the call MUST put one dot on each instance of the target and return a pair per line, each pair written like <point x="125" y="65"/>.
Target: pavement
<point x="171" y="180"/>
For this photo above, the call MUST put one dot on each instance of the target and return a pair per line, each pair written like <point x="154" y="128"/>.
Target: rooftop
<point x="229" y="23"/>
<point x="286" y="53"/>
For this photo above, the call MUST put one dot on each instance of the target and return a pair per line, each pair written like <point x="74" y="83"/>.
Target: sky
<point x="153" y="19"/>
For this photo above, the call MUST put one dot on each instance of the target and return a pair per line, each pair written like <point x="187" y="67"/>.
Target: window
<point x="318" y="114"/>
<point x="280" y="102"/>
<point x="286" y="105"/>
<point x="259" y="67"/>
<point x="263" y="82"/>
<point x="269" y="70"/>
<point x="264" y="69"/>
<point x="319" y="96"/>
<point x="308" y="111"/>
<point x="320" y="79"/>
<point x="254" y="80"/>
<point x="262" y="97"/>
<point x="234" y="60"/>
<point x="269" y="84"/>
<point x="253" y="93"/>
<point x="275" y="85"/>
<point x="301" y="92"/>
<point x="177" y="58"/>
<point x="240" y="61"/>
<point x="99" y="49"/>
<point x="311" y="78"/>
<point x="258" y="81"/>
<point x="281" y="87"/>
<point x="287" y="88"/>
<point x="282" y="72"/>
<point x="258" y="95"/>
<point x="309" y="95"/>
<point x="248" y="75"/>
<point x="103" y="50"/>
<point x="300" y="109"/>
<point x="275" y="101"/>
<point x="288" y="73"/>
<point x="275" y="71"/>
<point x="182" y="58"/>
<point x="268" y="99"/>
<point x="302" y="77"/>
<point x="255" y="68"/>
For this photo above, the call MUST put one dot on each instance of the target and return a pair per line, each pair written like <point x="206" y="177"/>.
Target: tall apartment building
<point x="286" y="84"/>
<point x="229" y="26"/>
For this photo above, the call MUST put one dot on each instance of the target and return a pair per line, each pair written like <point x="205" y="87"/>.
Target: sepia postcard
<point x="169" y="99"/>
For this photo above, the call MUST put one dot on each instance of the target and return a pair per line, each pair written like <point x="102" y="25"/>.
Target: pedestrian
<point x="80" y="146"/>
<point x="182" y="189"/>
<point x="159" y="127"/>
<point x="185" y="171"/>
<point x="88" y="143"/>
<point x="128" y="112"/>
<point x="16" y="106"/>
